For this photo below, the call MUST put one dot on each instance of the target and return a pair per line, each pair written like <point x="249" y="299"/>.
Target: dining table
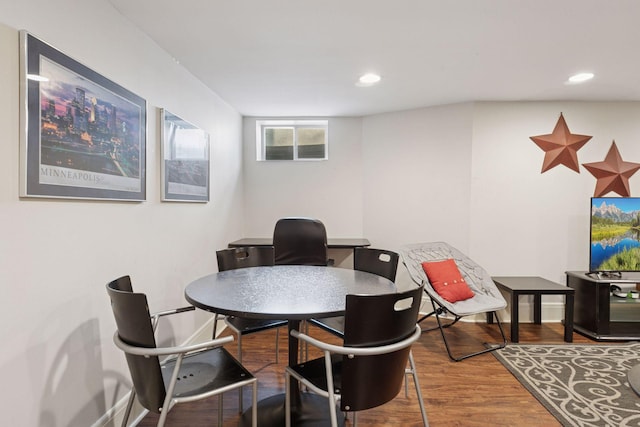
<point x="294" y="293"/>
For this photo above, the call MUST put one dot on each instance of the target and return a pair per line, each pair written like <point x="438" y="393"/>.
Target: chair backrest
<point x="371" y="321"/>
<point x="252" y="256"/>
<point x="300" y="241"/>
<point x="377" y="261"/>
<point x="133" y="321"/>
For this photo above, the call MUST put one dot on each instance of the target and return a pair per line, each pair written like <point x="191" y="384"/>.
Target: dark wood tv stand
<point x="597" y="314"/>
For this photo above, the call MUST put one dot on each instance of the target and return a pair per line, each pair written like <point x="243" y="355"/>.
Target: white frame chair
<point x="487" y="298"/>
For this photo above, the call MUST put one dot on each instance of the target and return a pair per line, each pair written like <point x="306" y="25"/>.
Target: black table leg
<point x="307" y="409"/>
<point x="515" y="298"/>
<point x="537" y="309"/>
<point x="568" y="317"/>
<point x="490" y="317"/>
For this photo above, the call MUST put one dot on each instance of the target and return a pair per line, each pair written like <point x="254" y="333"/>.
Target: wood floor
<point x="474" y="392"/>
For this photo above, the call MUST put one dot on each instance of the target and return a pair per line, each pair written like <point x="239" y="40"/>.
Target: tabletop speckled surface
<point x="283" y="291"/>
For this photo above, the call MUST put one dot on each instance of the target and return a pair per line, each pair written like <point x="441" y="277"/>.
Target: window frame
<point x="263" y="125"/>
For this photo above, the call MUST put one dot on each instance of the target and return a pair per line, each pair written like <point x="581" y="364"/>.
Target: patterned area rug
<point x="580" y="384"/>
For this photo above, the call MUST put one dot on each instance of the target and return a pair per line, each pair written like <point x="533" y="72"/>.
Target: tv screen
<point x="615" y="234"/>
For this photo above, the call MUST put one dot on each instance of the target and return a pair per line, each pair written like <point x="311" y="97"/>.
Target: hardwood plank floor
<point x="475" y="392"/>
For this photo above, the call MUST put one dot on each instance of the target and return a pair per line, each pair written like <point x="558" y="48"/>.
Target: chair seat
<point x="333" y="325"/>
<point x="205" y="371"/>
<point x="246" y="326"/>
<point x="480" y="303"/>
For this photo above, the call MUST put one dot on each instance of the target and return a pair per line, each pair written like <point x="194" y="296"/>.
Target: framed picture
<point x="185" y="160"/>
<point x="82" y="135"/>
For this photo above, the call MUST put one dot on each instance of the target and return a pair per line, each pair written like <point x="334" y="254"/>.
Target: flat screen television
<point x="615" y="234"/>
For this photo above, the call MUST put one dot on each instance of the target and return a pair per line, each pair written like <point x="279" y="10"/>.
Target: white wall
<point x="329" y="190"/>
<point x="524" y="222"/>
<point x="467" y="174"/>
<point x="58" y="363"/>
<point x="417" y="166"/>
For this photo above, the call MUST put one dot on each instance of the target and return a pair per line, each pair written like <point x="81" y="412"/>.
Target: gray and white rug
<point x="580" y="384"/>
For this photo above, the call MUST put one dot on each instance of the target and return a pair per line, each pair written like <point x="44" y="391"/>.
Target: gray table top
<point x="332" y="242"/>
<point x="531" y="284"/>
<point x="283" y="291"/>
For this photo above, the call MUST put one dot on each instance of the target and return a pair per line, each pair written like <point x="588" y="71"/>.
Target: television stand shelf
<point x="600" y="315"/>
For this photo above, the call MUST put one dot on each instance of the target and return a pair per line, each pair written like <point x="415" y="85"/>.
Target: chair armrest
<point x="156" y="316"/>
<point x="166" y="351"/>
<point x="173" y="311"/>
<point x="358" y="351"/>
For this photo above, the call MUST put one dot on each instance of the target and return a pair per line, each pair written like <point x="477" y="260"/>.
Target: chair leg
<point x="287" y="398"/>
<point x="332" y="400"/>
<point x="220" y="408"/>
<point x="254" y="403"/>
<point x="127" y="412"/>
<point x="304" y="349"/>
<point x="414" y="373"/>
<point x="240" y="397"/>
<point x="277" y="346"/>
<point x="442" y="327"/>
<point x="215" y="326"/>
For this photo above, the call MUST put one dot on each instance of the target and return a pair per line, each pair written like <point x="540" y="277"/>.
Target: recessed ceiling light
<point x="368" y="79"/>
<point x="580" y="77"/>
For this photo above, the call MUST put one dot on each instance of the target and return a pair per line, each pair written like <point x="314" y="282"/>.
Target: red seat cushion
<point x="447" y="281"/>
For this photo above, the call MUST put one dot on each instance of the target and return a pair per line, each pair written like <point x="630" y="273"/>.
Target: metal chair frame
<point x="178" y="354"/>
<point x="144" y="358"/>
<point x="330" y="349"/>
<point x="413" y="254"/>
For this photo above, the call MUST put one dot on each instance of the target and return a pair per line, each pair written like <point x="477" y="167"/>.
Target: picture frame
<point x="185" y="165"/>
<point x="82" y="135"/>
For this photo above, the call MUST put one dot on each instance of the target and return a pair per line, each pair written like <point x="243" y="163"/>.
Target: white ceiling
<point x="303" y="57"/>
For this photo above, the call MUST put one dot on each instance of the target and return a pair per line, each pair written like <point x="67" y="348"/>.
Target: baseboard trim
<point x="552" y="312"/>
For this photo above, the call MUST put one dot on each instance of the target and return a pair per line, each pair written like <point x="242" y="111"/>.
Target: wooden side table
<point x="536" y="286"/>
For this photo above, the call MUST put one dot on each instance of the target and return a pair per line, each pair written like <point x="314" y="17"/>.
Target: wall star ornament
<point x="613" y="173"/>
<point x="561" y="147"/>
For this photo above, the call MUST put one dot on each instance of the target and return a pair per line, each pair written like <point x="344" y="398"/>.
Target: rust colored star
<point x="560" y="147"/>
<point x="613" y="173"/>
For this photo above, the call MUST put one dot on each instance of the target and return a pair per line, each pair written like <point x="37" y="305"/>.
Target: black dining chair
<point x="369" y="368"/>
<point x="381" y="262"/>
<point x="189" y="372"/>
<point x="254" y="256"/>
<point x="300" y="241"/>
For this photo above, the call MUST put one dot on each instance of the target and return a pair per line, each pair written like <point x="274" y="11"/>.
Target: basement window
<point x="292" y="140"/>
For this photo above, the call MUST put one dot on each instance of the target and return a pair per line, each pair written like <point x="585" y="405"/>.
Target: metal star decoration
<point x="613" y="174"/>
<point x="560" y="147"/>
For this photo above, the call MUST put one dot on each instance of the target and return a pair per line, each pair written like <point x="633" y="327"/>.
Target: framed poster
<point x="185" y="160"/>
<point x="82" y="135"/>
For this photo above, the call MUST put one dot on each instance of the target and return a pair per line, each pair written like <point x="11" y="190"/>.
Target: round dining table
<point x="292" y="292"/>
